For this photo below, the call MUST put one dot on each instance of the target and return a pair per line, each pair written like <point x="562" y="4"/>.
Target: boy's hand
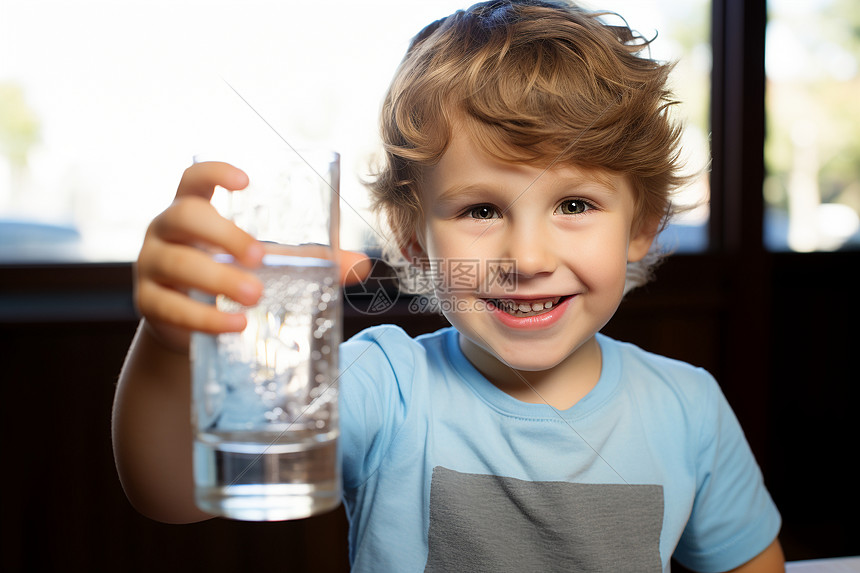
<point x="173" y="261"/>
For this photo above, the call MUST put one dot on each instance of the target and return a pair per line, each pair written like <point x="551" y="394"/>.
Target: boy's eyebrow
<point x="458" y="191"/>
<point x="583" y="180"/>
<point x="557" y="158"/>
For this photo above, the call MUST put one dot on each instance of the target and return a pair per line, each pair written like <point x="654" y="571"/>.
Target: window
<point x="111" y="100"/>
<point x="681" y="33"/>
<point x="812" y="153"/>
<point x="103" y="104"/>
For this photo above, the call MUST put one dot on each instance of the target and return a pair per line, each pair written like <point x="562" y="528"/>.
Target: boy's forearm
<point x="152" y="438"/>
<point x="770" y="560"/>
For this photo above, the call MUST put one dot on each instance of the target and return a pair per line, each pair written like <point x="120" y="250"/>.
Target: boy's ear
<point x="413" y="251"/>
<point x="641" y="239"/>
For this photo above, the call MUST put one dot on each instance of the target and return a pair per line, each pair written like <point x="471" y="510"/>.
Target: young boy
<point x="530" y="137"/>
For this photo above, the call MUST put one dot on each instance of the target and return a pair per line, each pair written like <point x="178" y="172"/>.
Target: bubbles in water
<point x="279" y="369"/>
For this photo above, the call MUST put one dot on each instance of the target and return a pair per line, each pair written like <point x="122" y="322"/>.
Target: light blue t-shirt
<point x="445" y="472"/>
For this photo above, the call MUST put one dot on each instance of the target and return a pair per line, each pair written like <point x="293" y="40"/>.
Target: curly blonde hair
<point x="533" y="81"/>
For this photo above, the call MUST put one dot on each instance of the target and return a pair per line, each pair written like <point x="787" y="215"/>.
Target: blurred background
<point x="103" y="104"/>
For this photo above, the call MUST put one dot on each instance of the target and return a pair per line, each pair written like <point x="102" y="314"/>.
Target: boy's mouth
<point x="526" y="307"/>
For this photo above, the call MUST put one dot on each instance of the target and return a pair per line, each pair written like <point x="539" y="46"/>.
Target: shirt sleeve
<point x="376" y="372"/>
<point x="733" y="517"/>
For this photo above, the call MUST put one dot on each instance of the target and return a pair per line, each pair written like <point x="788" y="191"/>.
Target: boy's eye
<point x="482" y="212"/>
<point x="573" y="207"/>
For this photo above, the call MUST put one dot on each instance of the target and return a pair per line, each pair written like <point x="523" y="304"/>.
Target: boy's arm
<point x="771" y="560"/>
<point x="151" y="426"/>
<point x="152" y="438"/>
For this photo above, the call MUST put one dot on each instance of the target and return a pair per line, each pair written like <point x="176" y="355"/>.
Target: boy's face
<point x="552" y="244"/>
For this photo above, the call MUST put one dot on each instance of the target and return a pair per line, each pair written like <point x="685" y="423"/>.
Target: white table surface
<point x="836" y="565"/>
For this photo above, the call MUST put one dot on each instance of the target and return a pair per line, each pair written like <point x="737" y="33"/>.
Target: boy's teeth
<point x="511" y="306"/>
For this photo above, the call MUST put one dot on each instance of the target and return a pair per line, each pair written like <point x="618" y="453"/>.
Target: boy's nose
<point x="533" y="250"/>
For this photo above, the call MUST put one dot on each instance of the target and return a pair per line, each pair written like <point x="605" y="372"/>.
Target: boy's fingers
<point x="182" y="267"/>
<point x="167" y="306"/>
<point x="201" y="179"/>
<point x="168" y="271"/>
<point x="191" y="220"/>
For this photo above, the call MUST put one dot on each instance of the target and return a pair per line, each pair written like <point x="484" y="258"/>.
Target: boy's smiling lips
<point x="528" y="312"/>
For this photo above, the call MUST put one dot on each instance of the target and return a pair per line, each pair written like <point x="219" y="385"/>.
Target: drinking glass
<point x="264" y="400"/>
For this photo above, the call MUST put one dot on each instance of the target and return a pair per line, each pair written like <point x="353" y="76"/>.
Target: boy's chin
<point x="524" y="358"/>
<point x="538" y="354"/>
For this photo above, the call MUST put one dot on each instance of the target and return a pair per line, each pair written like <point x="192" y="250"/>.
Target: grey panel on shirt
<point x="499" y="524"/>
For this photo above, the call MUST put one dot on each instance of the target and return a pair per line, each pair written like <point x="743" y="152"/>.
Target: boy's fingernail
<point x="250" y="290"/>
<point x="255" y="252"/>
<point x="235" y="323"/>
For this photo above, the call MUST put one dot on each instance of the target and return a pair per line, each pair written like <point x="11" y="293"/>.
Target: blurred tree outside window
<point x="812" y="149"/>
<point x="104" y="104"/>
<point x="19" y="130"/>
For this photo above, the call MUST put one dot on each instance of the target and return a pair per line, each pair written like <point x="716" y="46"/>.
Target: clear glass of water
<point x="264" y="400"/>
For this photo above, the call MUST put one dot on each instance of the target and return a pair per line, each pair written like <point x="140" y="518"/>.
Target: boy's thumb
<point x="354" y="267"/>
